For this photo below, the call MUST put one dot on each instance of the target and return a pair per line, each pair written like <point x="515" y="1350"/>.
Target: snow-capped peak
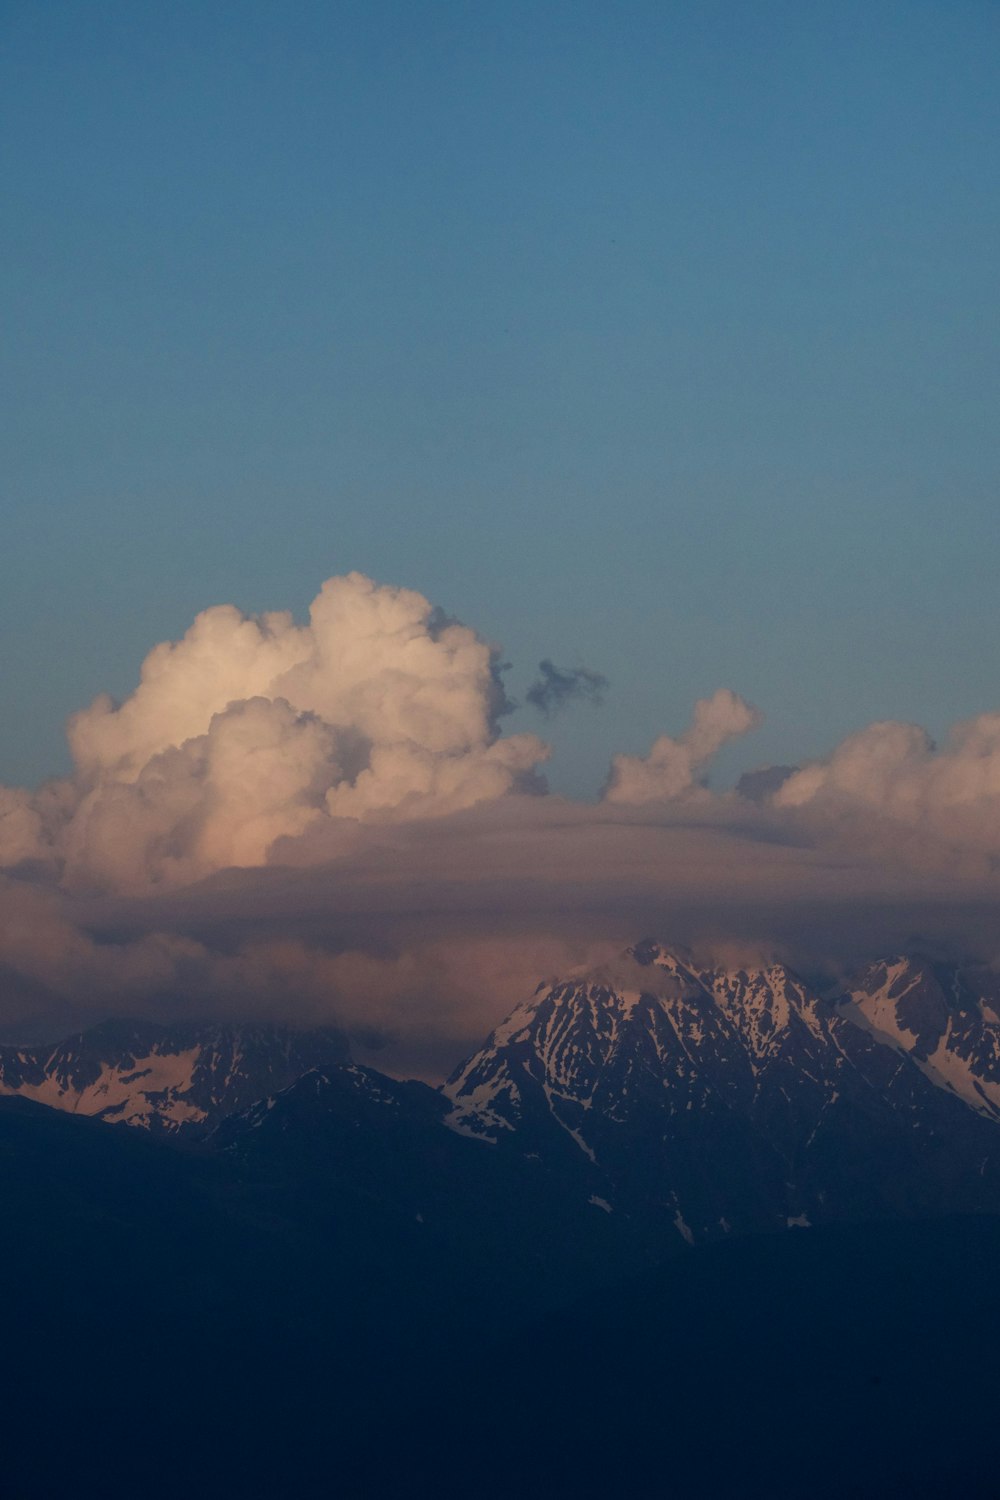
<point x="585" y="1042"/>
<point x="164" y="1078"/>
<point x="692" y="1078"/>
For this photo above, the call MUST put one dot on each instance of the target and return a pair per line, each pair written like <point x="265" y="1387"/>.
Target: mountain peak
<point x="687" y="1079"/>
<point x="164" y="1078"/>
<point x="648" y="953"/>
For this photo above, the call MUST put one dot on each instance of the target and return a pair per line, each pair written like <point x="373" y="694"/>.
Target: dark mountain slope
<point x="247" y="1308"/>
<point x="849" y="1361"/>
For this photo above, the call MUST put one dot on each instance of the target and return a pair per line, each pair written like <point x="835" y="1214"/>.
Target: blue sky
<point x="660" y="338"/>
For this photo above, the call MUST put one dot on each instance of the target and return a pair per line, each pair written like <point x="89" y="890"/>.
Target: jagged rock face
<point x="726" y="1101"/>
<point x="688" y="1102"/>
<point x="164" y="1078"/>
<point x="946" y="1019"/>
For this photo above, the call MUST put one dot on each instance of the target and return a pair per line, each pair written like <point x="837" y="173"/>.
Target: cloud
<point x="322" y="823"/>
<point x="557" y="686"/>
<point x="416" y="997"/>
<point x="889" y="781"/>
<point x="417" y="937"/>
<point x="672" y="766"/>
<point x="761" y="784"/>
<point x="53" y="971"/>
<point x="252" y="729"/>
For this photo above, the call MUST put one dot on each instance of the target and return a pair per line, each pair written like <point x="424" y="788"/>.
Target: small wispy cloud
<point x="557" y="686"/>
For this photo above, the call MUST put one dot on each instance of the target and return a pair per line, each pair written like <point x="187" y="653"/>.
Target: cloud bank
<point x="324" y="823"/>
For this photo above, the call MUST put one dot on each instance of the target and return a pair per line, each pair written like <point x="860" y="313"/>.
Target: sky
<point x="616" y="385"/>
<point x="655" y="338"/>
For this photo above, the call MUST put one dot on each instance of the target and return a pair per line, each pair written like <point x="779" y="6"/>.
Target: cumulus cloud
<point x="252" y="729"/>
<point x="556" y="686"/>
<point x="891" y="775"/>
<point x="672" y="767"/>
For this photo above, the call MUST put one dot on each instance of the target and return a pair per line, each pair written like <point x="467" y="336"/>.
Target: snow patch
<point x="126" y="1093"/>
<point x="683" y="1229"/>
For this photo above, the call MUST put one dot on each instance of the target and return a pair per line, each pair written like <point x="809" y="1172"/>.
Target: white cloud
<point x="250" y="730"/>
<point x="893" y="774"/>
<point x="672" y="766"/>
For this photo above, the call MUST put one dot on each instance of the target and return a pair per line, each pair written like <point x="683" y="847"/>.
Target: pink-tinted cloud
<point x="672" y="766"/>
<point x="251" y="730"/>
<point x="322" y="823"/>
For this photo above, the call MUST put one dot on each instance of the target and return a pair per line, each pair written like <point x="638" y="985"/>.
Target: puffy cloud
<point x="30" y="821"/>
<point x="225" y="657"/>
<point x="672" y="766"/>
<point x="22" y="828"/>
<point x="892" y="774"/>
<point x="259" y="773"/>
<point x="250" y="730"/>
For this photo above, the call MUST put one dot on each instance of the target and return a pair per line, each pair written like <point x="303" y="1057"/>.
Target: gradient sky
<point x="660" y="338"/>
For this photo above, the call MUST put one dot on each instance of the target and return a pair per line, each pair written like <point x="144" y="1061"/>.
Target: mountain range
<point x="321" y="1279"/>
<point x="698" y="1102"/>
<point x="739" y="1100"/>
<point x="166" y="1079"/>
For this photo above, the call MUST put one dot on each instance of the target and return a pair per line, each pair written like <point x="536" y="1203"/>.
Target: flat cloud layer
<point x="324" y="823"/>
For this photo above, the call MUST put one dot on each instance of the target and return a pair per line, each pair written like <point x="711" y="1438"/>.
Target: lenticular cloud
<point x="253" y="729"/>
